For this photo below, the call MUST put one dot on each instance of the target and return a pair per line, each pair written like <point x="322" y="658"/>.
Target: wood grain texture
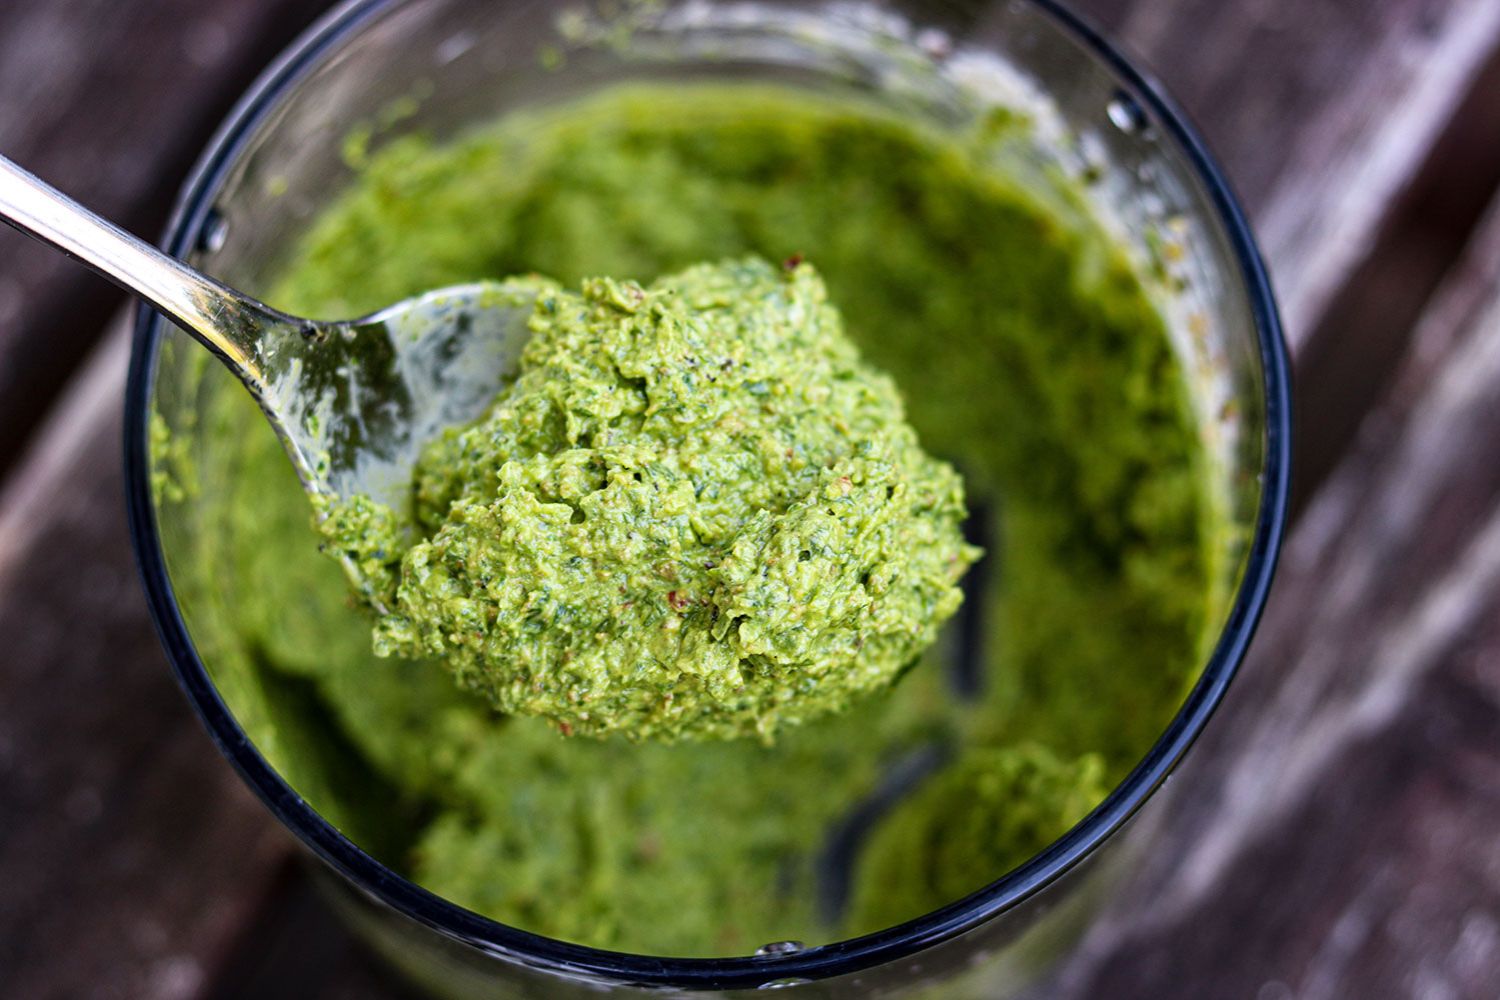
<point x="130" y="853"/>
<point x="1361" y="137"/>
<point x="1323" y="110"/>
<point x="1346" y="362"/>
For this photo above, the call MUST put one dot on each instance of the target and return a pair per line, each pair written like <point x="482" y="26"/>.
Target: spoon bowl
<point x="355" y="401"/>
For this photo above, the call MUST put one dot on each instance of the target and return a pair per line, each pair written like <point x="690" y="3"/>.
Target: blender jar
<point x="376" y="70"/>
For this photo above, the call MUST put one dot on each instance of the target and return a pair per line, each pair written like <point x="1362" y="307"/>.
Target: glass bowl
<point x="373" y="71"/>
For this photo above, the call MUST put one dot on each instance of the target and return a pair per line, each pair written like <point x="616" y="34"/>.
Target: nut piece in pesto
<point x="696" y="513"/>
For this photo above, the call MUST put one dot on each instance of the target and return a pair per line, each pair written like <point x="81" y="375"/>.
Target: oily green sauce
<point x="1029" y="356"/>
<point x="696" y="512"/>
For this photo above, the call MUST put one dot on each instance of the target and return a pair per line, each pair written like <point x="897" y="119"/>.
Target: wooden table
<point x="1336" y="833"/>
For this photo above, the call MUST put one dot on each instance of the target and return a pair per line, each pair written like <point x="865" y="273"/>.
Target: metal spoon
<point x="354" y="400"/>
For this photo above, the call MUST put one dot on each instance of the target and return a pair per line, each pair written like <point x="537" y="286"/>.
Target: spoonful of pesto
<point x="683" y="510"/>
<point x="695" y="512"/>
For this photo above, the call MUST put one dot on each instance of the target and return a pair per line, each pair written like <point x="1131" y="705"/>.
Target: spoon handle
<point x="232" y="325"/>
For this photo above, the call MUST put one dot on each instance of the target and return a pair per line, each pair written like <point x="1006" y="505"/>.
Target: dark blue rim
<point x="821" y="962"/>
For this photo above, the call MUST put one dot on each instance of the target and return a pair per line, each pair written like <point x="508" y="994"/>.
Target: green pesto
<point x="162" y="444"/>
<point x="696" y="512"/>
<point x="1029" y="355"/>
<point x="984" y="813"/>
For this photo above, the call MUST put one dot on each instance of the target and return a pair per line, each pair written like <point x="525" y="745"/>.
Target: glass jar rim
<point x="817" y="962"/>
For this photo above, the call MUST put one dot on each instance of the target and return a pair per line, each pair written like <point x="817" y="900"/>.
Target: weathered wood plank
<point x="1334" y="832"/>
<point x="130" y="853"/>
<point x="1361" y="136"/>
<point x="1323" y="110"/>
<point x="110" y="102"/>
<point x="1347" y="361"/>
